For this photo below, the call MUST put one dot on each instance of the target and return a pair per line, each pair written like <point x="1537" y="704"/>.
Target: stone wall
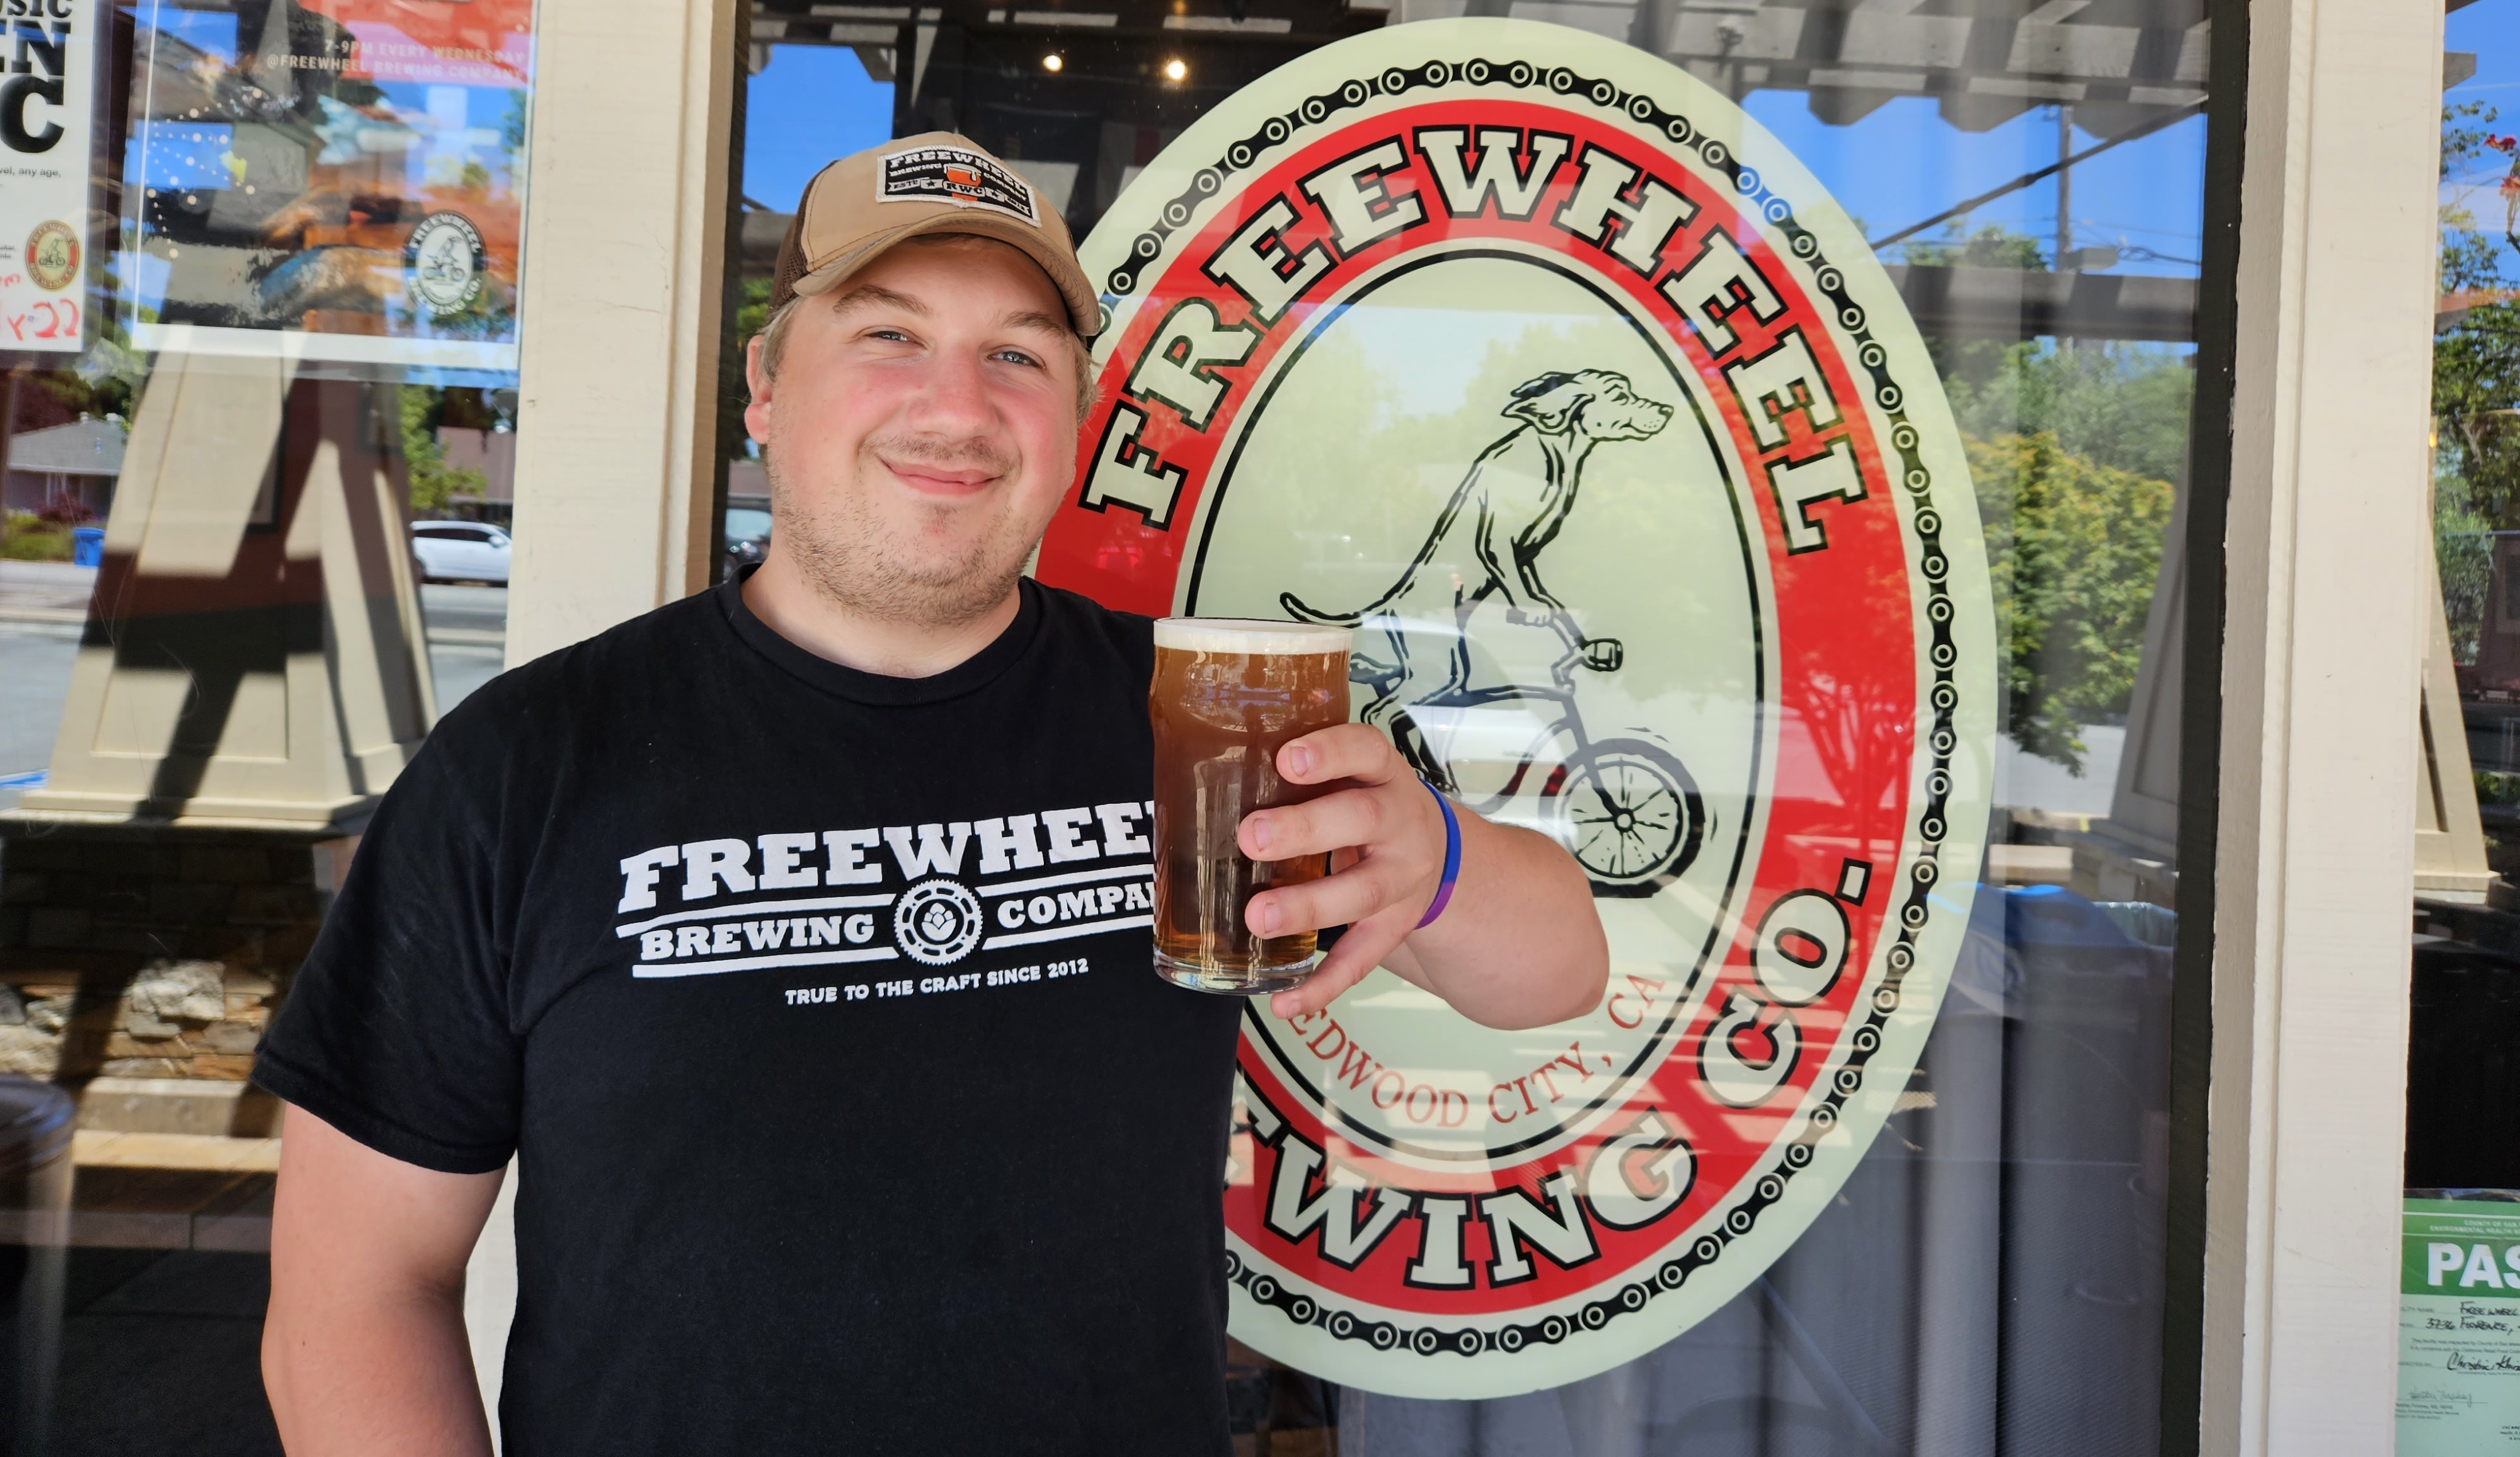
<point x="129" y="955"/>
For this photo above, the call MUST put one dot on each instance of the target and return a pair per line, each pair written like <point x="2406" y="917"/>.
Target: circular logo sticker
<point x="445" y="262"/>
<point x="937" y="922"/>
<point x="53" y="256"/>
<point x="1539" y="363"/>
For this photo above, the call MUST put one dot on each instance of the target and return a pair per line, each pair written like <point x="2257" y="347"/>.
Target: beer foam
<point x="1258" y="637"/>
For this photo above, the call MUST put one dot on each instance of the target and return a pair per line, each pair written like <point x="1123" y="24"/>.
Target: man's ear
<point x="756" y="379"/>
<point x="1550" y="403"/>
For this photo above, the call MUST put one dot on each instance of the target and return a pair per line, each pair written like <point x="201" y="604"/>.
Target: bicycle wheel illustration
<point x="1632" y="816"/>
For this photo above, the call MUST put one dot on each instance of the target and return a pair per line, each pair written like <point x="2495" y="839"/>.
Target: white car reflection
<point x="460" y="551"/>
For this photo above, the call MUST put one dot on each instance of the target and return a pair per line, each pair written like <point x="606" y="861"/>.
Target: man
<point x="796" y="1178"/>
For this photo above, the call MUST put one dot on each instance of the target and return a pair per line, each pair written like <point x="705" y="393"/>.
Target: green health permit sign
<point x="2458" y="1329"/>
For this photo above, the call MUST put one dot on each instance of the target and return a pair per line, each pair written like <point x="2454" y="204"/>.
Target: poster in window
<point x="47" y="108"/>
<point x="2458" y="1325"/>
<point x="331" y="180"/>
<point x="1540" y="364"/>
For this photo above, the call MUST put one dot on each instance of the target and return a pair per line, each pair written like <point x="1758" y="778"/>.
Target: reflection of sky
<point x="142" y="275"/>
<point x="1902" y="163"/>
<point x="179" y="155"/>
<point x="212" y="30"/>
<point x="1429" y="358"/>
<point x="1893" y="167"/>
<point x="2487" y="28"/>
<point x="810" y="104"/>
<point x="456" y="125"/>
<point x="429" y="128"/>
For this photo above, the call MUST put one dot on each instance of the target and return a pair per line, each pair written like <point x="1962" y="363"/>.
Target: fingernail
<point x="1264" y="918"/>
<point x="1299" y="760"/>
<point x="1259" y="834"/>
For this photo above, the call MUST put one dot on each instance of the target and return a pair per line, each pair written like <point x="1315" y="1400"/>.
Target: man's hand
<point x="1519" y="944"/>
<point x="1393" y="836"/>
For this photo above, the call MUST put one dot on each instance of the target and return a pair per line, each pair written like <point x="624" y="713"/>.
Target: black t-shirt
<point x="819" y="1010"/>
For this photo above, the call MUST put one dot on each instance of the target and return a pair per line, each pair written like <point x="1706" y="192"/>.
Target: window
<point x="2032" y="187"/>
<point x="269" y="336"/>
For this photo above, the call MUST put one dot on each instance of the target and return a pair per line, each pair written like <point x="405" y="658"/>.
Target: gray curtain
<point x="1986" y="1284"/>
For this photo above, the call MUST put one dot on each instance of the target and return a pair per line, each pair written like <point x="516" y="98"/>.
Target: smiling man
<point x="708" y="921"/>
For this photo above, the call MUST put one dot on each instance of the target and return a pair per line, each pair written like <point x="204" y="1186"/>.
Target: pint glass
<point x="1228" y="695"/>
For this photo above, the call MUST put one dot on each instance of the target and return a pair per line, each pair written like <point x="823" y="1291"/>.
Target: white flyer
<point x="47" y="121"/>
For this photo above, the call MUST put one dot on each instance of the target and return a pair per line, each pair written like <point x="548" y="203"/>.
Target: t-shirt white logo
<point x="819" y="898"/>
<point x="937" y="922"/>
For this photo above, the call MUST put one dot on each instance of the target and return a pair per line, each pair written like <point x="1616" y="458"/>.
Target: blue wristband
<point x="1452" y="859"/>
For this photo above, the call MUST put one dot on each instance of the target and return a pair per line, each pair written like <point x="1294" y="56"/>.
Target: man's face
<point x="920" y="431"/>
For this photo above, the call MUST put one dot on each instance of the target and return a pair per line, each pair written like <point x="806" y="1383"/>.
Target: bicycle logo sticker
<point x="1540" y="364"/>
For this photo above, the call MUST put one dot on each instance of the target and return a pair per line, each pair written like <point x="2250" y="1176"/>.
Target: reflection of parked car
<point x="747" y="531"/>
<point x="460" y="551"/>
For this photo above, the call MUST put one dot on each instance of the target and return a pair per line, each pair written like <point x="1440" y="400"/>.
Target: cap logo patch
<point x="951" y="174"/>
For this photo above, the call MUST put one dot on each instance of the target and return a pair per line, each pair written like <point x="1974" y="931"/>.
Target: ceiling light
<point x="1175" y="70"/>
<point x="1052" y="62"/>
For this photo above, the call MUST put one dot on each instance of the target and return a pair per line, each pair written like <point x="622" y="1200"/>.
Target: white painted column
<point x="2327" y="542"/>
<point x="490" y="1298"/>
<point x="625" y="233"/>
<point x="624" y="271"/>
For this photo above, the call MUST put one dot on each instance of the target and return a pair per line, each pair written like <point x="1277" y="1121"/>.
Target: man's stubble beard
<point x="848" y="557"/>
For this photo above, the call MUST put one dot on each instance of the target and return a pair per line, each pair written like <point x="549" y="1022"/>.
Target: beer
<point x="1228" y="695"/>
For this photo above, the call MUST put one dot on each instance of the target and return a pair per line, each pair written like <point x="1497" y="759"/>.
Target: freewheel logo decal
<point x="1539" y="363"/>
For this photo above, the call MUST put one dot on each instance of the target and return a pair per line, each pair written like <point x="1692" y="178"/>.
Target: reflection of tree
<point x="434" y="483"/>
<point x="1650" y="530"/>
<point x="2081" y="443"/>
<point x="1347" y="400"/>
<point x="2476" y="386"/>
<point x="2476" y="372"/>
<point x="2074" y="548"/>
<point x="749" y="316"/>
<point x="2464" y="546"/>
<point x="2118" y="403"/>
<point x="1459" y="435"/>
<point x="2115" y="403"/>
<point x="1862" y="729"/>
<point x="103" y="378"/>
<point x="2476" y="434"/>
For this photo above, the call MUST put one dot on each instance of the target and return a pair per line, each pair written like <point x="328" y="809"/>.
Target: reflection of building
<point x="2496" y="675"/>
<point x="2121" y="62"/>
<point x="79" y="460"/>
<point x="1082" y="130"/>
<point x="493" y="453"/>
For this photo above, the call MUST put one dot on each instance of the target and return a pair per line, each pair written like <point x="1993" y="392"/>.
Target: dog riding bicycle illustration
<point x="1626" y="807"/>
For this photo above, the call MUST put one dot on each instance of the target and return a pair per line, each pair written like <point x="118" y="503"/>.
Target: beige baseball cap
<point x="935" y="182"/>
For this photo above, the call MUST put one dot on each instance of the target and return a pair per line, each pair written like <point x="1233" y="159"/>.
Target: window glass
<point x="2467" y="815"/>
<point x="1988" y="1274"/>
<point x="2467" y="836"/>
<point x="267" y="325"/>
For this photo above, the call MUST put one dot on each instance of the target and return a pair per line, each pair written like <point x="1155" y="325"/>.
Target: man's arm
<point x="364" y="1351"/>
<point x="1519" y="944"/>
